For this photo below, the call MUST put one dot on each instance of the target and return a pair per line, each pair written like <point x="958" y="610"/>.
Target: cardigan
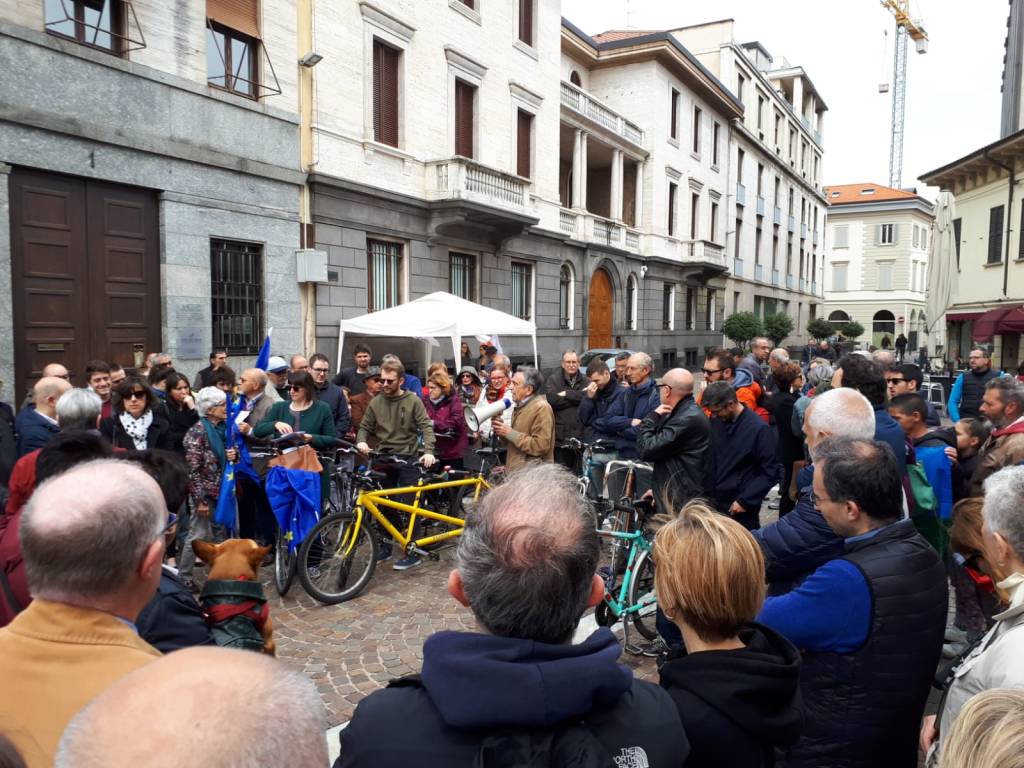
<point x="317" y="420"/>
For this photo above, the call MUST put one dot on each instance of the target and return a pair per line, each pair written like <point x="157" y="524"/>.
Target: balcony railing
<point x="586" y="105"/>
<point x="759" y="272"/>
<point x="567" y="222"/>
<point x="737" y="267"/>
<point x="775" y="277"/>
<point x="803" y="231"/>
<point x="741" y="194"/>
<point x="604" y="231"/>
<point x="632" y="240"/>
<point x="814" y="237"/>
<point x="705" y="250"/>
<point x="789" y="282"/>
<point x="792" y="224"/>
<point x="778" y="215"/>
<point x="760" y="206"/>
<point x="814" y="287"/>
<point x="803" y="285"/>
<point x="460" y="178"/>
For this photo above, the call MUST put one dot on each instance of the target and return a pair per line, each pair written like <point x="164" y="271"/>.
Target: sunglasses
<point x="709" y="371"/>
<point x="320" y="370"/>
<point x="895" y="381"/>
<point x="295" y="387"/>
<point x="136" y="394"/>
<point x="387" y="381"/>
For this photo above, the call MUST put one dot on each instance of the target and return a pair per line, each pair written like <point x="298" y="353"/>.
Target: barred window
<point x="522" y="279"/>
<point x="668" y="307"/>
<point x="631" y="303"/>
<point x="236" y="273"/>
<point x="384" y="271"/>
<point x="462" y="275"/>
<point x="565" y="297"/>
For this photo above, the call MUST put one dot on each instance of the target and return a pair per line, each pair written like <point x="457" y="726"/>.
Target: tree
<point x="741" y="327"/>
<point x="777" y="327"/>
<point x="820" y="329"/>
<point x="852" y="330"/>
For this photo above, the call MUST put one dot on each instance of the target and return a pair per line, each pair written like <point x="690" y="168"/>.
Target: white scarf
<point x="137" y="429"/>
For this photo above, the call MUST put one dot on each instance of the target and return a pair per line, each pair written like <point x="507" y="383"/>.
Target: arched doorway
<point x="600" y="307"/>
<point x="883" y="324"/>
<point x="838" y="318"/>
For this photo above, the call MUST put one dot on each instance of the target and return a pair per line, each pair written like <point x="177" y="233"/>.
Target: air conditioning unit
<point x="310" y="266"/>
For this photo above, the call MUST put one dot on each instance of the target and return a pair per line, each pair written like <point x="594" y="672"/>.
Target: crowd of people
<point x="812" y="640"/>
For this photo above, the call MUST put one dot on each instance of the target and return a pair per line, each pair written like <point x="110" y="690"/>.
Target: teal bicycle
<point x="629" y="578"/>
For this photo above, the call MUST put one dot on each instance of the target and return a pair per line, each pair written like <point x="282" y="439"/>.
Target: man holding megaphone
<point x="531" y="436"/>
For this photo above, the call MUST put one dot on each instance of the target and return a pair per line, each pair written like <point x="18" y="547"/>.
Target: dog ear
<point x="256" y="557"/>
<point x="205" y="550"/>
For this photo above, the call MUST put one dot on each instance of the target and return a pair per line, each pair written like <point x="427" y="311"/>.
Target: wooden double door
<point x="85" y="263"/>
<point x="600" y="309"/>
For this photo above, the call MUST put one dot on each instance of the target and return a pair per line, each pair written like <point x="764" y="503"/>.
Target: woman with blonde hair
<point x="736" y="684"/>
<point x="444" y="408"/>
<point x="989" y="732"/>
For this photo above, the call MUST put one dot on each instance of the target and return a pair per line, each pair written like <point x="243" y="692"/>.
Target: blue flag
<point x="263" y="358"/>
<point x="235" y="439"/>
<point x="294" y="495"/>
<point x="226" y="513"/>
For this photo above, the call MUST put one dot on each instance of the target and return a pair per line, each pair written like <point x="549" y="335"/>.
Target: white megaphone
<point x="476" y="416"/>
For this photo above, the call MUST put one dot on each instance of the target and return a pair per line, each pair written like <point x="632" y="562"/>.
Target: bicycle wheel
<point x="641" y="588"/>
<point x="333" y="568"/>
<point x="285" y="564"/>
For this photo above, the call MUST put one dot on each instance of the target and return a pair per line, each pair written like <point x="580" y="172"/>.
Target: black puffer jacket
<point x="738" y="706"/>
<point x="492" y="702"/>
<point x="678" y="444"/>
<point x="566" y="407"/>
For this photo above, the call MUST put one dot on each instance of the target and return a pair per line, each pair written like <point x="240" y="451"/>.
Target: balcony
<point x="632" y="240"/>
<point x="790" y="280"/>
<point x="775" y="278"/>
<point x="778" y="215"/>
<point x="791" y="224"/>
<point x="567" y="222"/>
<point x="803" y="285"/>
<point x="760" y="206"/>
<point x="595" y="229"/>
<point x="587" y="106"/>
<point x="803" y="231"/>
<point x="741" y="194"/>
<point x="759" y="272"/>
<point x="737" y="267"/>
<point x="460" y="178"/>
<point x="705" y="250"/>
<point x="814" y="287"/>
<point x="814" y="237"/>
<point x="603" y="231"/>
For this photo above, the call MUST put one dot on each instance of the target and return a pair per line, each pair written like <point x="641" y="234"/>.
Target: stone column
<point x="6" y="289"/>
<point x="583" y="171"/>
<point x="578" y="162"/>
<point x="638" y="195"/>
<point x="615" y="206"/>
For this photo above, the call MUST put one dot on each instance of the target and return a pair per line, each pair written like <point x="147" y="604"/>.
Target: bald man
<point x="93" y="541"/>
<point x="37" y="423"/>
<point x="675" y="437"/>
<point x="231" y="709"/>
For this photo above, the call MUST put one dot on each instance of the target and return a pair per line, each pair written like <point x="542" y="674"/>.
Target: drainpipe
<point x="1009" y="219"/>
<point x="307" y="291"/>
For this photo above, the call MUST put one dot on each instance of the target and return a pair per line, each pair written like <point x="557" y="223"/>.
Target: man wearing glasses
<point x="675" y="438"/>
<point x="907" y="380"/>
<point x="531" y="435"/>
<point x="398" y="420"/>
<point x="969" y="388"/>
<point x="719" y="366"/>
<point x="330" y="393"/>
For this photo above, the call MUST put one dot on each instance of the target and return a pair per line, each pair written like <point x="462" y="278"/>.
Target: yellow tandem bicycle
<point x="338" y="557"/>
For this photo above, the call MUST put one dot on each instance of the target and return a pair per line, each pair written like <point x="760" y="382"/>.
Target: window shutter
<point x="878" y="234"/>
<point x="526" y="21"/>
<point x="463" y="119"/>
<point x="895" y="233"/>
<point x="673" y="127"/>
<point x="524" y="129"/>
<point x="239" y="15"/>
<point x="385" y="94"/>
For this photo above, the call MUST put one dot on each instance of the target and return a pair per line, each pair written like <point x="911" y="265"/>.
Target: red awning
<point x="998" y="321"/>
<point x="962" y="317"/>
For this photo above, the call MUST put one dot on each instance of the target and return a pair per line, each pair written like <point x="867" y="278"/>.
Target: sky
<point x="953" y="96"/>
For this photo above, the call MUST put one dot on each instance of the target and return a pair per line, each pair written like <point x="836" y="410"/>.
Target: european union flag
<point x="226" y="513"/>
<point x="294" y="495"/>
<point x="263" y="358"/>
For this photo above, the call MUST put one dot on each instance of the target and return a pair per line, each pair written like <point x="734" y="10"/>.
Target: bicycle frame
<point x="374" y="500"/>
<point x="638" y="544"/>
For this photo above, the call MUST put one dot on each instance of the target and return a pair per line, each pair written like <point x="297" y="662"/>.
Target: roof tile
<point x="846" y="194"/>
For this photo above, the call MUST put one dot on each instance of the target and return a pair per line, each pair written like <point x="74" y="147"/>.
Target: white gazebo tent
<point x="438" y="315"/>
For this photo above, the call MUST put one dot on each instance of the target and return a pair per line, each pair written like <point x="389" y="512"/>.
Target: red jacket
<point x="23" y="482"/>
<point x="447" y="417"/>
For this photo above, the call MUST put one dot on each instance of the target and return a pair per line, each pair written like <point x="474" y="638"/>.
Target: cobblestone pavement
<point x="352" y="649"/>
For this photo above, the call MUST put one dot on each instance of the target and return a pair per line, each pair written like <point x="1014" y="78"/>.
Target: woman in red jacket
<point x="444" y="408"/>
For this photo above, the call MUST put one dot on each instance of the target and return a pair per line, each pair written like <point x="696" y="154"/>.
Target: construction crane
<point x="914" y="29"/>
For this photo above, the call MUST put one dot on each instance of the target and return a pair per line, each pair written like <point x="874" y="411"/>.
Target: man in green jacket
<point x="398" y="419"/>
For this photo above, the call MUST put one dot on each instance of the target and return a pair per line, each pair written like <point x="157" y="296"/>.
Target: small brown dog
<point x="232" y="598"/>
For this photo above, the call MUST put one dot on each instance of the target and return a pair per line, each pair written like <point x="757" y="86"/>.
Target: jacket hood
<point x="757" y="687"/>
<point x="741" y="378"/>
<point x="944" y="437"/>
<point x="1013" y="429"/>
<point x="472" y="371"/>
<point x="477" y="680"/>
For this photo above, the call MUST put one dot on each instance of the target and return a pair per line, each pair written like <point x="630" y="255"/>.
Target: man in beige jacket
<point x="531" y="436"/>
<point x="93" y="542"/>
<point x="1003" y="405"/>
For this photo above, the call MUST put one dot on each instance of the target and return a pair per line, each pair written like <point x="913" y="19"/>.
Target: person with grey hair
<point x="206" y="454"/>
<point x="531" y="435"/>
<point x="998" y="660"/>
<point x="801" y="541"/>
<point x="564" y="391"/>
<point x="625" y="415"/>
<point x="278" y="721"/>
<point x="1003" y="406"/>
<point x="517" y="690"/>
<point x="885" y="358"/>
<point x="93" y="541"/>
<point x="79" y="409"/>
<point x="870" y="621"/>
<point x="819" y="381"/>
<point x="760" y="350"/>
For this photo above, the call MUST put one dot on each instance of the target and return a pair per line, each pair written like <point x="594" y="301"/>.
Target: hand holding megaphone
<point x="476" y="416"/>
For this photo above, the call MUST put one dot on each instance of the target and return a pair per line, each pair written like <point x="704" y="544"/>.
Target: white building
<point x="776" y="208"/>
<point x="877" y="273"/>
